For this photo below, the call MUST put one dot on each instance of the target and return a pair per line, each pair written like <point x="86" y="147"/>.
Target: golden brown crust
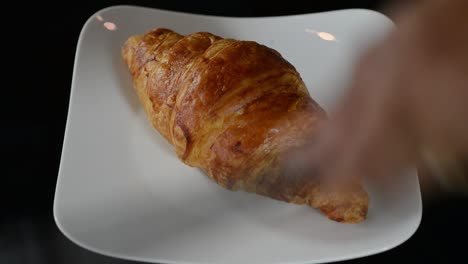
<point x="234" y="109"/>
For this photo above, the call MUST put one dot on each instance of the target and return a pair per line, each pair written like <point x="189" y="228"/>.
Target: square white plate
<point x="122" y="192"/>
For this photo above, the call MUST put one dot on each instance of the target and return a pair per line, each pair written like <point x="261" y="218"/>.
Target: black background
<point x="38" y="49"/>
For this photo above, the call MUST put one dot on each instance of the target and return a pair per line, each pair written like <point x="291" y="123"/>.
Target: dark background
<point x="38" y="49"/>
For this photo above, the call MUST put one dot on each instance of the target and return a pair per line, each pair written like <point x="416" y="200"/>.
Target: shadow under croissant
<point x="156" y="139"/>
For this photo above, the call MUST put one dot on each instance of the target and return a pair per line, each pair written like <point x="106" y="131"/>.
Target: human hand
<point x="408" y="102"/>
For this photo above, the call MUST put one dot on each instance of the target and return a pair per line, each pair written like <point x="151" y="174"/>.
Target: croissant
<point x="235" y="109"/>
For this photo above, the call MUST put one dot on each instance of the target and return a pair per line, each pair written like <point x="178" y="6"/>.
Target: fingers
<point x="367" y="135"/>
<point x="405" y="95"/>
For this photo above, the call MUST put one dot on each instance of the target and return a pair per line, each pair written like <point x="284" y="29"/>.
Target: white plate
<point x="122" y="192"/>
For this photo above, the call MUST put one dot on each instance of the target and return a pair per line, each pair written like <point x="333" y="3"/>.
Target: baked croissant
<point x="235" y="109"/>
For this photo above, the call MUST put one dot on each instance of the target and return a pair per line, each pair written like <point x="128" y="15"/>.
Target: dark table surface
<point x="39" y="42"/>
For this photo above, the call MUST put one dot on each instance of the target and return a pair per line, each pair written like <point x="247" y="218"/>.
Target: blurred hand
<point x="409" y="99"/>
